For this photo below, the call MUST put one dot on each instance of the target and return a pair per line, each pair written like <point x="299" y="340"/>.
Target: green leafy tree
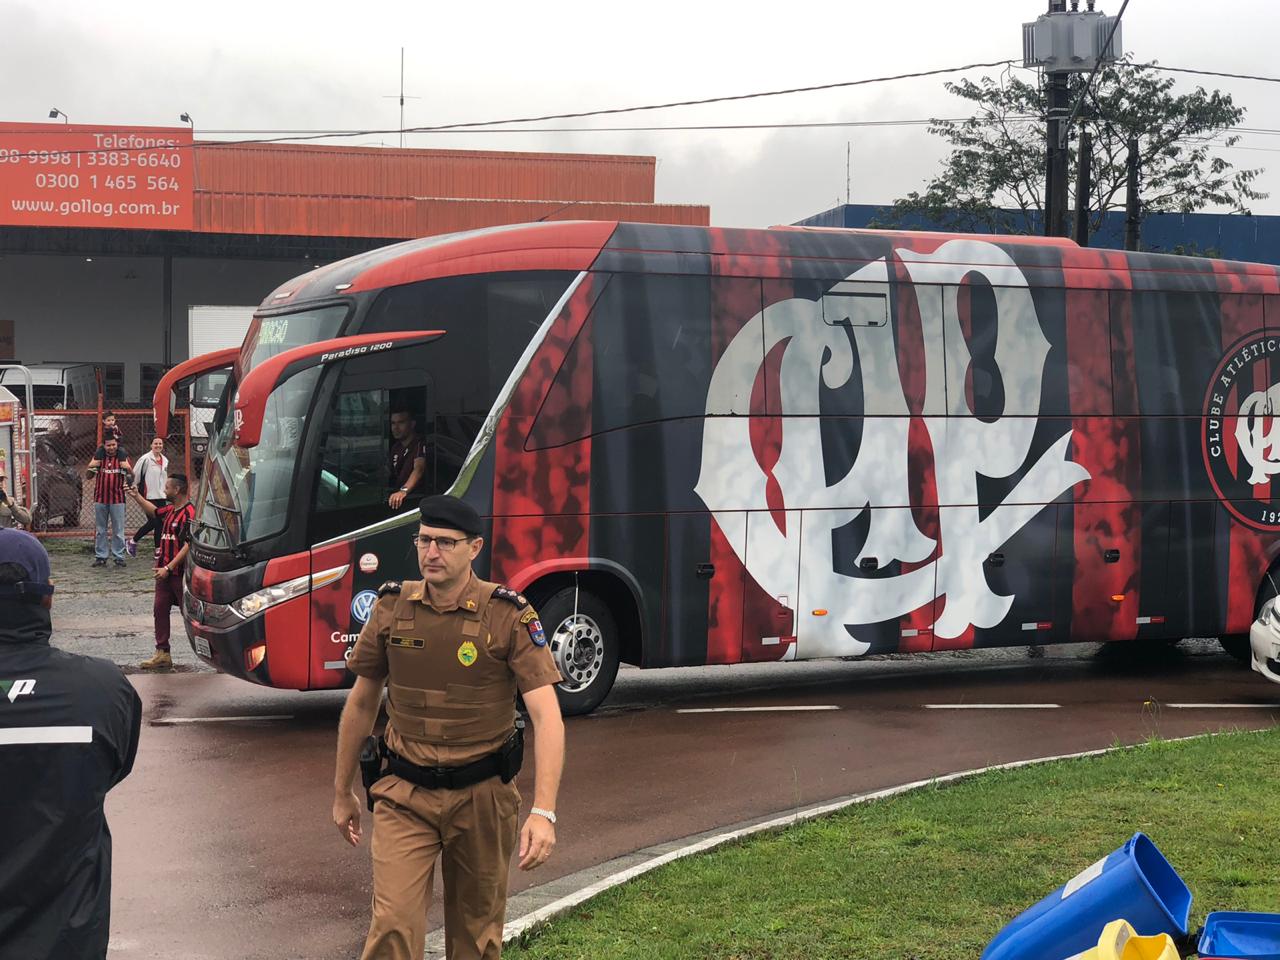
<point x="994" y="176"/>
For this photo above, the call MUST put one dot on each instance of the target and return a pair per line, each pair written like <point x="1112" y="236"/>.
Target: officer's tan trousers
<point x="473" y="832"/>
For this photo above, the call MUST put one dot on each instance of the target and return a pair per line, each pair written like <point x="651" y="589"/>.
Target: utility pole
<point x="1055" y="187"/>
<point x="848" y="169"/>
<point x="1084" y="186"/>
<point x="1060" y="43"/>
<point x="1132" y="205"/>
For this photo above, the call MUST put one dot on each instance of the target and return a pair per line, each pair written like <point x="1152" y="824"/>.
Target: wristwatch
<point x="404" y="489"/>
<point x="549" y="814"/>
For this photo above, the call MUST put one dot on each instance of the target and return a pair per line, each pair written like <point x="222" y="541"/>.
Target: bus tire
<point x="586" y="651"/>
<point x="1237" y="645"/>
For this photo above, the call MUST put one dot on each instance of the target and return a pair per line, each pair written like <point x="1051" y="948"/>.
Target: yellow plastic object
<point x="1119" y="941"/>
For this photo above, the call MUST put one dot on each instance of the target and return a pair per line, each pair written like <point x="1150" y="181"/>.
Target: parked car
<point x="60" y="484"/>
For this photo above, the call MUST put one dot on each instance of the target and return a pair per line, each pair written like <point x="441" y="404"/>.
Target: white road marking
<point x="991" y="706"/>
<point x="1224" y="706"/>
<point x="14" y="736"/>
<point x="795" y="709"/>
<point x="265" y="716"/>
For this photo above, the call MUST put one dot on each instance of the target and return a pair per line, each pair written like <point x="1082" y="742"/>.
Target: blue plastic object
<point x="1241" y="936"/>
<point x="1135" y="883"/>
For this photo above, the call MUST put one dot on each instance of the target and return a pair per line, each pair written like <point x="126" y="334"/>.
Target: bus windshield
<point x="245" y="492"/>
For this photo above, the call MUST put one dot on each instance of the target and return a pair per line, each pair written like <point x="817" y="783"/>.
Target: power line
<point x="476" y="126"/>
<point x="919" y="122"/>
<point x="1209" y="73"/>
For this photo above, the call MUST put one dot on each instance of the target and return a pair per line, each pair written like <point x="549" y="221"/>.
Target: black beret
<point x="452" y="513"/>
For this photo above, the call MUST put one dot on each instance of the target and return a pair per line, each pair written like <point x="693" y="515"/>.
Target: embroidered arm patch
<point x="536" y="633"/>
<point x="391" y="586"/>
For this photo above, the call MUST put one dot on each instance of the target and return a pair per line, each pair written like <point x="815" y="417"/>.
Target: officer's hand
<point x="396" y="499"/>
<point x="537" y="840"/>
<point x="346" y="816"/>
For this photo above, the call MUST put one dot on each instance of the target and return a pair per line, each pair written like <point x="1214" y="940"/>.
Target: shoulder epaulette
<point x="391" y="586"/>
<point x="509" y="595"/>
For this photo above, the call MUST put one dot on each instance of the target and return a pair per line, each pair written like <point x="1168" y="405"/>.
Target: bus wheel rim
<point x="577" y="646"/>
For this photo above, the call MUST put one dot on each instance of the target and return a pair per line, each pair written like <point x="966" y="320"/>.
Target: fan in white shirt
<point x="149" y="476"/>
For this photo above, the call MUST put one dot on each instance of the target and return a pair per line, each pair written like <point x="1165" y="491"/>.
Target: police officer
<point x="68" y="734"/>
<point x="452" y="651"/>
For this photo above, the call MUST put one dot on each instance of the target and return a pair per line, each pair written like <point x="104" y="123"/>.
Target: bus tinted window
<point x="489" y="321"/>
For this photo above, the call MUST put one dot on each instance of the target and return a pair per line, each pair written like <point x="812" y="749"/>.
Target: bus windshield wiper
<point x="221" y="509"/>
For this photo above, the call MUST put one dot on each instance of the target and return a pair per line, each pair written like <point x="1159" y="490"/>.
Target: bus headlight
<point x="259" y="600"/>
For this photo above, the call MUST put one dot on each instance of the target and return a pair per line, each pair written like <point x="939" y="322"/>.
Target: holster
<point x="371" y="771"/>
<point x="511" y="754"/>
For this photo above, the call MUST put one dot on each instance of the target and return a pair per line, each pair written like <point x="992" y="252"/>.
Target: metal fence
<point x="65" y="442"/>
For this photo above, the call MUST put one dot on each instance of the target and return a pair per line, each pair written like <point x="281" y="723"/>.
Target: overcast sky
<point x="256" y="65"/>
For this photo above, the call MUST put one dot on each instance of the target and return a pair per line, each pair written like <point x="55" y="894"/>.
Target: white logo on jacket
<point x="733" y="485"/>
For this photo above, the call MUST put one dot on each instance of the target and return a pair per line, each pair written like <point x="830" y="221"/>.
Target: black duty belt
<point x="377" y="760"/>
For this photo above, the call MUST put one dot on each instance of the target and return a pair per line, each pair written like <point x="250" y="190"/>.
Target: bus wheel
<point x="585" y="646"/>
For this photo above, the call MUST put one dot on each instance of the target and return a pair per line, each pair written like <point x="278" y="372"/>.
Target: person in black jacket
<point x="68" y="733"/>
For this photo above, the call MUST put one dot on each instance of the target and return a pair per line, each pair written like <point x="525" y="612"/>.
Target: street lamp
<point x="186" y="118"/>
<point x="55" y="113"/>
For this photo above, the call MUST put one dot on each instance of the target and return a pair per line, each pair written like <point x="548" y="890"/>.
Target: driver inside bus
<point x="407" y="457"/>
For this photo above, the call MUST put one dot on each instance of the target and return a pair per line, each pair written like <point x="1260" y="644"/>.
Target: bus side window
<point x="853" y="304"/>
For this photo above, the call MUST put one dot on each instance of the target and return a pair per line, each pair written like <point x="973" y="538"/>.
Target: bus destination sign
<point x="74" y="175"/>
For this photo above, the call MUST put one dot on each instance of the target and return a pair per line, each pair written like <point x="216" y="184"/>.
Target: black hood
<point x="22" y="622"/>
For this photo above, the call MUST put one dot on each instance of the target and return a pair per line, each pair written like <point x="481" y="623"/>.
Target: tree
<point x="994" y="177"/>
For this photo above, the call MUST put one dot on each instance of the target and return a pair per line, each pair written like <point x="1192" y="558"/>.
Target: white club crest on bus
<point x="732" y="483"/>
<point x="1258" y="434"/>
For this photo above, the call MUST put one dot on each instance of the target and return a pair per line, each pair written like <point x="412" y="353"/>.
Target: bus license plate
<point x="202" y="647"/>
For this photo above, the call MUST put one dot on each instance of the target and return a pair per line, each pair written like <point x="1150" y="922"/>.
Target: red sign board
<point x="72" y="175"/>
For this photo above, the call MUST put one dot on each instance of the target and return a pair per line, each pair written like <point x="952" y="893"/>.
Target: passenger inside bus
<point x="406" y="457"/>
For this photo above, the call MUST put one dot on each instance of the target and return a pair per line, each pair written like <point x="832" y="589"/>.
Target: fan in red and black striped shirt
<point x="113" y="467"/>
<point x="175" y="530"/>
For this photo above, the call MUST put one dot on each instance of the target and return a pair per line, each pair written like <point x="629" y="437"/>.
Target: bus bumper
<point x="226" y="648"/>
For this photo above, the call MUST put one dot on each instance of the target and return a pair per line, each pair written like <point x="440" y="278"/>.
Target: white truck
<point x="211" y="328"/>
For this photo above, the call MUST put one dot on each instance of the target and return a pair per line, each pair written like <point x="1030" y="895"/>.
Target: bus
<point x="697" y="445"/>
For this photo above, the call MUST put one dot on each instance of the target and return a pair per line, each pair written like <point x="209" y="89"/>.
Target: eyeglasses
<point x="443" y="544"/>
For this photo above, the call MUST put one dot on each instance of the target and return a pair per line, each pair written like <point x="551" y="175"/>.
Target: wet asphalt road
<point x="225" y="849"/>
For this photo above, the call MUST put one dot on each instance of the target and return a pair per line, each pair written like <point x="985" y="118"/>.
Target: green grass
<point x="936" y="873"/>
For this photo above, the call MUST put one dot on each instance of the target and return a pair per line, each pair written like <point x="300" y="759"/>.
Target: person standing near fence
<point x="175" y="527"/>
<point x="149" y="476"/>
<point x="110" y="466"/>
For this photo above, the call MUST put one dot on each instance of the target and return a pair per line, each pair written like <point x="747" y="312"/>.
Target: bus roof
<point x="614" y="245"/>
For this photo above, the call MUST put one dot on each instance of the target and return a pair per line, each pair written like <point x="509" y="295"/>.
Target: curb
<point x="539" y="905"/>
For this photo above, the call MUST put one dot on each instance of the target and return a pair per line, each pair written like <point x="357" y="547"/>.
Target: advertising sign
<point x="73" y="175"/>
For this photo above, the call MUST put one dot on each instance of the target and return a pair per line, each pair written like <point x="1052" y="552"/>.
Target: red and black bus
<point x="700" y="445"/>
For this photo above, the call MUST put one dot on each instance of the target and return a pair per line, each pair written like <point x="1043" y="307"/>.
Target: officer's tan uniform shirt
<point x="452" y="674"/>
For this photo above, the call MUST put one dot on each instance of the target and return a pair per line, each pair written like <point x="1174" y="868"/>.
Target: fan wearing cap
<point x="68" y="733"/>
<point x="452" y="651"/>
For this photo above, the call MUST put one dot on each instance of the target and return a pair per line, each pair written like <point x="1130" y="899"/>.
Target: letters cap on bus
<point x="256" y="387"/>
<point x="162" y="401"/>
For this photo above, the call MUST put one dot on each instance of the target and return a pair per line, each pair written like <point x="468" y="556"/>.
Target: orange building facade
<point x="224" y="224"/>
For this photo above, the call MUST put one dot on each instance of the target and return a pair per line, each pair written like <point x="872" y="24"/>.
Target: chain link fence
<point x="64" y="443"/>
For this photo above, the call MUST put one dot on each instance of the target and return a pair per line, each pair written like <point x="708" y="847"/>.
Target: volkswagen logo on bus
<point x="362" y="605"/>
<point x="1241" y="433"/>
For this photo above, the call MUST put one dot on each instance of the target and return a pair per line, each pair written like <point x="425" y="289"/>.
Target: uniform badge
<point x="536" y="634"/>
<point x="467" y="653"/>
<point x="529" y="616"/>
<point x="469" y="604"/>
<point x="408" y="643"/>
